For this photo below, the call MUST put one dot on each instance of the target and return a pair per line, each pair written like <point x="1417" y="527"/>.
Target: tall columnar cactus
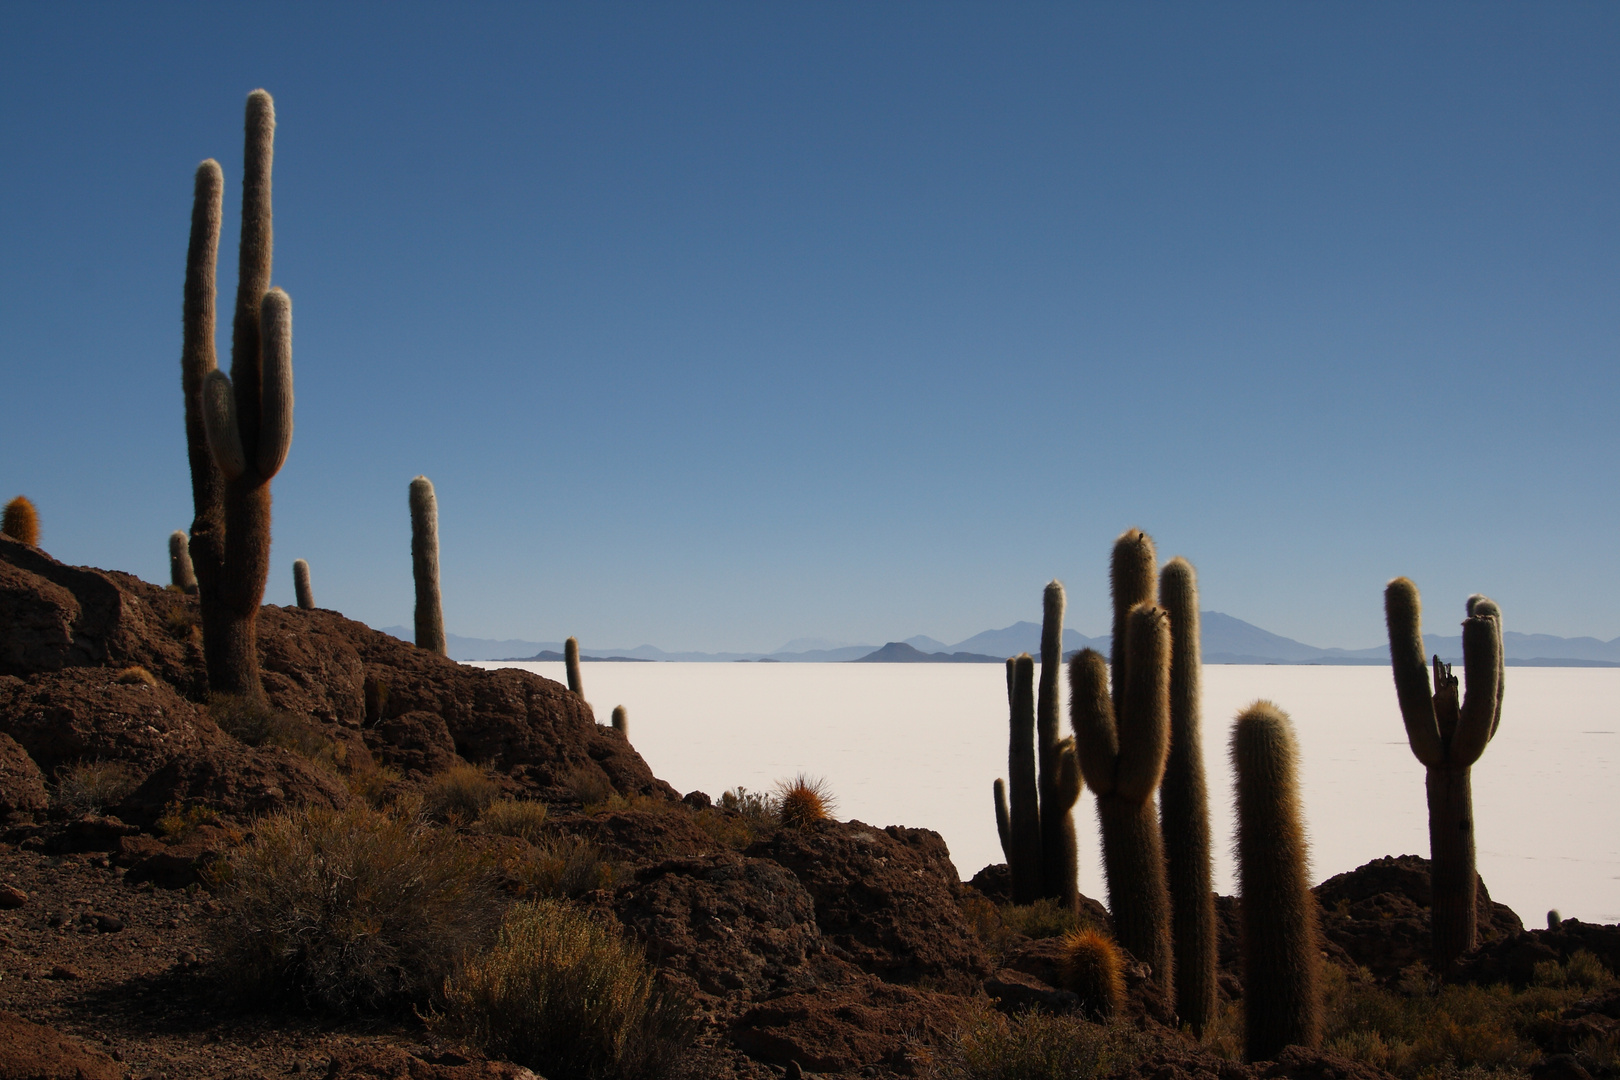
<point x="1184" y="807"/>
<point x="425" y="567"/>
<point x="571" y="663"/>
<point x="182" y="575"/>
<point x="301" y="591"/>
<point x="21" y="521"/>
<point x="1023" y="811"/>
<point x="1059" y="772"/>
<point x="1282" y="1002"/>
<point x="1122" y="761"/>
<point x="1448" y="737"/>
<point x="246" y="416"/>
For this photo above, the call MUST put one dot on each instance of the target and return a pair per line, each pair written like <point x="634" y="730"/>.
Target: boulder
<point x="235" y="781"/>
<point x="36" y="1052"/>
<point x="22" y="785"/>
<point x="86" y="713"/>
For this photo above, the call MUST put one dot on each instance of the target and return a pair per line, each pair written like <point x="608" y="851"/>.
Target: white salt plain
<point x="920" y="744"/>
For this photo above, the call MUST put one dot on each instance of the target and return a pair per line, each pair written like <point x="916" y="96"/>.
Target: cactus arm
<point x="197" y="356"/>
<point x="1046" y="705"/>
<point x="276" y="394"/>
<point x="1482" y="661"/>
<point x="1091" y="715"/>
<point x="1131" y="572"/>
<point x="219" y="420"/>
<point x="998" y="791"/>
<point x="1144" y="728"/>
<point x="253" y="264"/>
<point x="182" y="574"/>
<point x="1403" y="617"/>
<point x="1485" y="606"/>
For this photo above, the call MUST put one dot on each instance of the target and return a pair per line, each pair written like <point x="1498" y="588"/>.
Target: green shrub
<point x="89" y="787"/>
<point x="351" y="910"/>
<point x="459" y="794"/>
<point x="513" y="817"/>
<point x="1032" y="1046"/>
<point x="564" y="993"/>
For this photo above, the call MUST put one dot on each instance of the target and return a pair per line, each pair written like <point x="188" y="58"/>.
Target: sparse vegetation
<point x="803" y="801"/>
<point x="179" y="821"/>
<point x="1032" y="1046"/>
<point x="351" y="911"/>
<point x="459" y="794"/>
<point x="561" y="866"/>
<point x="135" y="675"/>
<point x="564" y="993"/>
<point x="257" y="724"/>
<point x="522" y="818"/>
<point x="1000" y="927"/>
<point x="91" y="786"/>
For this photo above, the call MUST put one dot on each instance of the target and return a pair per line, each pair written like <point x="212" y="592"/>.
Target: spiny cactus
<point x="21" y="521"/>
<point x="1282" y="1001"/>
<point x="1123" y="761"/>
<point x="1095" y="971"/>
<point x="1024" y="813"/>
<point x="621" y="721"/>
<point x="244" y="419"/>
<point x="803" y="801"/>
<point x="1059" y="772"/>
<point x="1448" y="737"/>
<point x="1184" y="807"/>
<point x="425" y="567"/>
<point x="181" y="573"/>
<point x="301" y="590"/>
<point x="571" y="661"/>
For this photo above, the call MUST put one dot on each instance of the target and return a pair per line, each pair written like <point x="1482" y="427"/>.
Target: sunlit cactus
<point x="571" y="663"/>
<point x="1059" y="780"/>
<point x="303" y="594"/>
<point x="1094" y="970"/>
<point x="803" y="801"/>
<point x="1184" y="807"/>
<point x="21" y="521"/>
<point x="621" y="721"/>
<point x="425" y="567"/>
<point x="1282" y="1001"/>
<point x="182" y="575"/>
<point x="1448" y="736"/>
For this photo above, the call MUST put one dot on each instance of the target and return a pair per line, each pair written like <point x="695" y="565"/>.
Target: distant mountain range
<point x="1225" y="641"/>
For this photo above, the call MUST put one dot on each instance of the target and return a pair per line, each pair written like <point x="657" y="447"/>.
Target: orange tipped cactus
<point x="21" y="521"/>
<point x="1094" y="970"/>
<point x="803" y="801"/>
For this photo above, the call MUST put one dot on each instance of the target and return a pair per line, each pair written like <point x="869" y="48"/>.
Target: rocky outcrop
<point x="22" y="785"/>
<point x="35" y="1052"/>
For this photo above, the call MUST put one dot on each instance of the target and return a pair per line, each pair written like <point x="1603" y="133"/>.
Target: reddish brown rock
<point x="85" y="713"/>
<point x="388" y="1063"/>
<point x="35" y="1052"/>
<point x="22" y="785"/>
<point x="416" y="743"/>
<point x="236" y="782"/>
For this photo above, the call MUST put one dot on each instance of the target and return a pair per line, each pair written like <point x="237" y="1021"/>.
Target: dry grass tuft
<point x="513" y="817"/>
<point x="1033" y="1046"/>
<point x="92" y="786"/>
<point x="352" y="910"/>
<point x="803" y="801"/>
<point x="564" y="993"/>
<point x="135" y="674"/>
<point x="562" y="866"/>
<point x="459" y="794"/>
<point x="257" y="724"/>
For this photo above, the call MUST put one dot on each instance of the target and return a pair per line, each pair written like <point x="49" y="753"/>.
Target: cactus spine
<point x="425" y="567"/>
<point x="1123" y="761"/>
<point x="1059" y="772"/>
<point x="182" y="575"/>
<point x="621" y="721"/>
<point x="1448" y="737"/>
<point x="305" y="595"/>
<point x="1024" y="813"/>
<point x="1184" y="807"/>
<point x="21" y="521"/>
<point x="241" y="423"/>
<point x="1094" y="970"/>
<point x="571" y="661"/>
<point x="1282" y="1002"/>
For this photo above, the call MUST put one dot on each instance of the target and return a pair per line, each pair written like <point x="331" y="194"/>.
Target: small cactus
<point x="1282" y="1001"/>
<point x="621" y="721"/>
<point x="1095" y="971"/>
<point x="803" y="801"/>
<point x="21" y="521"/>
<point x="571" y="661"/>
<point x="425" y="567"/>
<point x="1448" y="736"/>
<point x="301" y="590"/>
<point x="1554" y="920"/>
<point x="182" y="575"/>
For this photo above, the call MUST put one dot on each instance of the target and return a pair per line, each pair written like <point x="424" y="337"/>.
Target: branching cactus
<point x="301" y="590"/>
<point x="1448" y="736"/>
<point x="181" y="573"/>
<point x="571" y="662"/>
<point x="1122" y="740"/>
<point x="246" y="416"/>
<point x="1282" y="1001"/>
<point x="425" y="567"/>
<point x="1184" y="807"/>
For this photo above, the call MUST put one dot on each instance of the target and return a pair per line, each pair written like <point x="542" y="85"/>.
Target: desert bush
<point x="374" y="784"/>
<point x="1582" y="971"/>
<point x="135" y="675"/>
<point x="513" y="817"/>
<point x="256" y="724"/>
<point x="1032" y="1046"/>
<point x="564" y="993"/>
<point x="562" y="866"/>
<point x="92" y="786"/>
<point x="179" y="821"/>
<point x="802" y="801"/>
<point x="1001" y="927"/>
<point x="459" y="794"/>
<point x="350" y="910"/>
<point x="589" y="787"/>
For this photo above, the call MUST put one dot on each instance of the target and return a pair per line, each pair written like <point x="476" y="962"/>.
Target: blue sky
<point x="721" y="325"/>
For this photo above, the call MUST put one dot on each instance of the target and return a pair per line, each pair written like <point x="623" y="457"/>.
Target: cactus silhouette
<point x="1024" y="813"/>
<point x="1184" y="807"/>
<point x="425" y="566"/>
<point x="571" y="661"/>
<point x="1122" y="741"/>
<point x="1282" y="1001"/>
<point x="21" y="521"/>
<point x="301" y="590"/>
<point x="244" y="419"/>
<point x="1059" y="780"/>
<point x="181" y="573"/>
<point x="1094" y="970"/>
<point x="1448" y="737"/>
<point x="621" y="721"/>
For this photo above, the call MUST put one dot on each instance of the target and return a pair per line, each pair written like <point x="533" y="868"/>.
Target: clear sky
<point x="721" y="325"/>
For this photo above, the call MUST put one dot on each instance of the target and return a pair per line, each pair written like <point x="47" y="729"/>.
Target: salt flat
<point x="920" y="744"/>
